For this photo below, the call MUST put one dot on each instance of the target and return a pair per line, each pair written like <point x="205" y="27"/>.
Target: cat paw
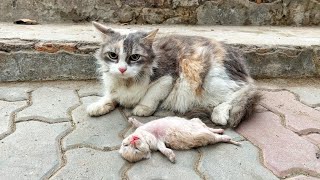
<point x="172" y="158"/>
<point x="220" y="114"/>
<point x="141" y="110"/>
<point x="98" y="109"/>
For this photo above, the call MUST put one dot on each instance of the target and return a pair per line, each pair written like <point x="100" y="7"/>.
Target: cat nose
<point x="122" y="69"/>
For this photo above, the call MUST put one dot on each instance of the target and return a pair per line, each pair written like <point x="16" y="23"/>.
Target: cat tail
<point x="202" y="113"/>
<point x="243" y="105"/>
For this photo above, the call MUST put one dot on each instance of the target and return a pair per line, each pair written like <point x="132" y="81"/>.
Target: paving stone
<point x="227" y="161"/>
<point x="31" y="151"/>
<point x="85" y="163"/>
<point x="314" y="138"/>
<point x="302" y="177"/>
<point x="308" y="95"/>
<point x="284" y="152"/>
<point x="298" y="117"/>
<point x="159" y="167"/>
<point x="6" y="110"/>
<point x="50" y="104"/>
<point x="14" y="93"/>
<point x="103" y="132"/>
<point x="91" y="89"/>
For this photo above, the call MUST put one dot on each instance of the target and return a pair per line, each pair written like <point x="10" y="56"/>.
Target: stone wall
<point x="201" y="12"/>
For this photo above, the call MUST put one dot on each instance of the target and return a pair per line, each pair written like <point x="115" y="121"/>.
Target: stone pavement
<point x="45" y="133"/>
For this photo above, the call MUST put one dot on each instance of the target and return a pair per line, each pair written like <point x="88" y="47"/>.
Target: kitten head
<point x="135" y="148"/>
<point x="126" y="56"/>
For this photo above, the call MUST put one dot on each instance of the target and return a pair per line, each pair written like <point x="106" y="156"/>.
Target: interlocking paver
<point x="6" y="110"/>
<point x="227" y="161"/>
<point x="307" y="95"/>
<point x="14" y="93"/>
<point x="50" y="104"/>
<point x="31" y="151"/>
<point x="91" y="89"/>
<point x="298" y="117"/>
<point x="159" y="167"/>
<point x="85" y="163"/>
<point x="284" y="152"/>
<point x="102" y="132"/>
<point x="314" y="138"/>
<point x="303" y="177"/>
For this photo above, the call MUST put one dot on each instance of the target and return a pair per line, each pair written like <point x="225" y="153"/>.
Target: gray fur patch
<point x="235" y="65"/>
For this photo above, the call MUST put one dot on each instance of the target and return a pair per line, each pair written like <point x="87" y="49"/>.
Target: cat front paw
<point x="141" y="110"/>
<point x="98" y="109"/>
<point x="220" y="114"/>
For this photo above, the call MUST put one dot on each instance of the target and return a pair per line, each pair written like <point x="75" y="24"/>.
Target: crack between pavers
<point x="123" y="132"/>
<point x="61" y="155"/>
<point x="60" y="149"/>
<point x="81" y="145"/>
<point x="299" y="171"/>
<point x="125" y="169"/>
<point x="291" y="171"/>
<point x="43" y="120"/>
<point x="13" y="116"/>
<point x="296" y="96"/>
<point x="196" y="166"/>
<point x="284" y="124"/>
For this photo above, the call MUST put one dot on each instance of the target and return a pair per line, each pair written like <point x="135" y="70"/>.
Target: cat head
<point x="135" y="148"/>
<point x="126" y="56"/>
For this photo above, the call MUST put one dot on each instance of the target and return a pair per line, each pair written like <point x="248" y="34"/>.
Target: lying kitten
<point x="174" y="132"/>
<point x="184" y="74"/>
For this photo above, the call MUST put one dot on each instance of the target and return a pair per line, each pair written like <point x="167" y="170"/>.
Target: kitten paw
<point x="172" y="157"/>
<point x="141" y="110"/>
<point x="98" y="109"/>
<point x="220" y="114"/>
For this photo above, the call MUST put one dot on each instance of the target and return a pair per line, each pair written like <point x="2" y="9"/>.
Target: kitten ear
<point x="105" y="32"/>
<point x="151" y="36"/>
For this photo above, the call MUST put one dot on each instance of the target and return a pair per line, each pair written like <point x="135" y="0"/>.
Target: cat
<point x="188" y="75"/>
<point x="174" y="132"/>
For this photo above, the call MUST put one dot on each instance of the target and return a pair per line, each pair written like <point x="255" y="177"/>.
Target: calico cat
<point x="188" y="75"/>
<point x="174" y="132"/>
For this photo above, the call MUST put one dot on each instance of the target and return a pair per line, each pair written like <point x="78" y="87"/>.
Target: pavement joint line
<point x="292" y="171"/>
<point x="196" y="166"/>
<point x="13" y="116"/>
<point x="80" y="145"/>
<point x="70" y="109"/>
<point x="283" y="121"/>
<point x="60" y="149"/>
<point x="61" y="153"/>
<point x="297" y="97"/>
<point x="12" y="122"/>
<point x="123" y="132"/>
<point x="276" y="112"/>
<point x="124" y="170"/>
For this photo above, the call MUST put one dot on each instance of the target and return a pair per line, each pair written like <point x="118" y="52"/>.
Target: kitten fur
<point x="169" y="132"/>
<point x="189" y="75"/>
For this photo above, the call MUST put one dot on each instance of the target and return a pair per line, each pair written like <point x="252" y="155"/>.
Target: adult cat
<point x="176" y="73"/>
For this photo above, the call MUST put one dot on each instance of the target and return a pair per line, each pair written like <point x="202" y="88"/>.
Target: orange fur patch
<point x="192" y="69"/>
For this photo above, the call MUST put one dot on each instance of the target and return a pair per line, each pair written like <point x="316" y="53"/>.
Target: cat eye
<point x="134" y="57"/>
<point x="112" y="55"/>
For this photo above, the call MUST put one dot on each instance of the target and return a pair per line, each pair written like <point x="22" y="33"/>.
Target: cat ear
<point x="151" y="36"/>
<point x="105" y="32"/>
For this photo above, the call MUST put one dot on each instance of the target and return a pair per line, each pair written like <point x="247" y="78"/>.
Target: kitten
<point x="174" y="132"/>
<point x="184" y="74"/>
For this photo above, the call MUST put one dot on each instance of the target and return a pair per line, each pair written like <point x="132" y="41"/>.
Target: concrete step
<point x="65" y="51"/>
<point x="202" y="12"/>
